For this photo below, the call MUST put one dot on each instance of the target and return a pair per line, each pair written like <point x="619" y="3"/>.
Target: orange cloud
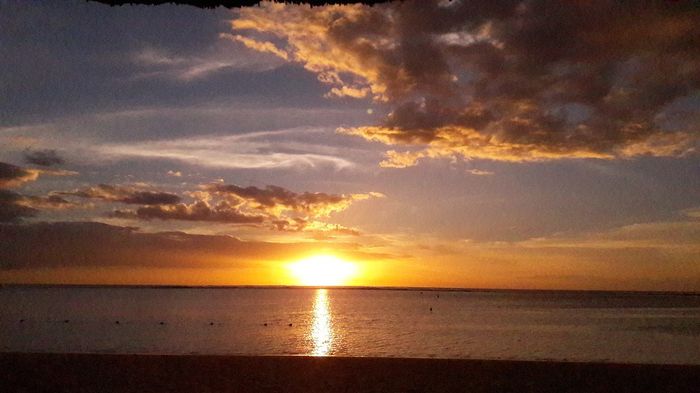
<point x="267" y="47"/>
<point x="278" y="201"/>
<point x="13" y="176"/>
<point x="271" y="207"/>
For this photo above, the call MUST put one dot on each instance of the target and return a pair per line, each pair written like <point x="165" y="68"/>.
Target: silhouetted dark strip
<point x="163" y="373"/>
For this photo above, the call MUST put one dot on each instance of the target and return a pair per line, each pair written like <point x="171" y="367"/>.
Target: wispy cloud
<point x="221" y="56"/>
<point x="247" y="151"/>
<point x="479" y="172"/>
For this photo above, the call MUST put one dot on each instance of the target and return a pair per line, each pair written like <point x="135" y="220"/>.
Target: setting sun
<point x="322" y="270"/>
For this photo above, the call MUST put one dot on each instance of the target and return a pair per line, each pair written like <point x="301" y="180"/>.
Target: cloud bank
<point x="70" y="244"/>
<point x="508" y="81"/>
<point x="122" y="194"/>
<point x="272" y="207"/>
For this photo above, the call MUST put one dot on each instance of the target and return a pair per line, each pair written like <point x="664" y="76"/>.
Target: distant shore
<point x="23" y="372"/>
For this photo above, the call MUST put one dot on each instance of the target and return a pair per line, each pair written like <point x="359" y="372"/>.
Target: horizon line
<point x="353" y="287"/>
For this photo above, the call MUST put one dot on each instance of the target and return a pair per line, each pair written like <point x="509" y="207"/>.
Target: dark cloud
<point x="272" y="196"/>
<point x="14" y="206"/>
<point x="505" y="80"/>
<point x="11" y="207"/>
<point x="12" y="175"/>
<point x="124" y="194"/>
<point x="43" y="157"/>
<point x="198" y="211"/>
<point x="271" y="207"/>
<point x="276" y="199"/>
<point x="66" y="244"/>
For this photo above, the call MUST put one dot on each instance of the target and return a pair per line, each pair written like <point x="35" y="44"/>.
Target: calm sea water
<point x="353" y="322"/>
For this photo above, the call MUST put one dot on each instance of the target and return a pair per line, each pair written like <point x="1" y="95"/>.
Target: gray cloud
<point x="124" y="194"/>
<point x="11" y="208"/>
<point x="15" y="206"/>
<point x="43" y="157"/>
<point x="198" y="211"/>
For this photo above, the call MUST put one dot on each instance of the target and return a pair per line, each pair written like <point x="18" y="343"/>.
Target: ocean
<point x="524" y="325"/>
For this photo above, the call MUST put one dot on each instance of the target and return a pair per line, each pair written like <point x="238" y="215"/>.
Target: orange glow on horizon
<point x="322" y="270"/>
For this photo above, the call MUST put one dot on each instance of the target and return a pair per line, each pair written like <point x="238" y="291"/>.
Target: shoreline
<point x="73" y="372"/>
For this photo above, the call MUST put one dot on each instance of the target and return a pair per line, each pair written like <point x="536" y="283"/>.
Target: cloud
<point x="70" y="244"/>
<point x="271" y="207"/>
<point x="479" y="172"/>
<point x="159" y="62"/>
<point x="11" y="208"/>
<point x="197" y="211"/>
<point x="692" y="213"/>
<point x="249" y="151"/>
<point x="276" y="200"/>
<point x="14" y="206"/>
<point x="502" y="81"/>
<point x="266" y="47"/>
<point x="13" y="176"/>
<point x="319" y="230"/>
<point x="49" y="202"/>
<point x="123" y="194"/>
<point x="43" y="157"/>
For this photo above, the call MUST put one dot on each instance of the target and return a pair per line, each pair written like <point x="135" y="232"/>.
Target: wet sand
<point x="21" y="372"/>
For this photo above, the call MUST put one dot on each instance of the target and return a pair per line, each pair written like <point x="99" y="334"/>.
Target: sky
<point x="506" y="144"/>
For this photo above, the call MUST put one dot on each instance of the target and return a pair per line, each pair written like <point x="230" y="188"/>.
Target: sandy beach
<point x="22" y="372"/>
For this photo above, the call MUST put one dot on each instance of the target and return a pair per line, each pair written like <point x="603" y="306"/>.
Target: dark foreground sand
<point x="154" y="373"/>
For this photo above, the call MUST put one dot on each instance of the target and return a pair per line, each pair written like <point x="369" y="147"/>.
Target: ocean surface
<point x="574" y="326"/>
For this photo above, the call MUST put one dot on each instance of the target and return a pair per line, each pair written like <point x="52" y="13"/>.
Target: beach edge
<point x="73" y="372"/>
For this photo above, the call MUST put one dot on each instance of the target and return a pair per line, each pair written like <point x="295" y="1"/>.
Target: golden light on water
<point x="321" y="330"/>
<point x="322" y="270"/>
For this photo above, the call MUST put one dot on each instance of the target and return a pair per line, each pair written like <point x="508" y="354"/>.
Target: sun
<point x="322" y="270"/>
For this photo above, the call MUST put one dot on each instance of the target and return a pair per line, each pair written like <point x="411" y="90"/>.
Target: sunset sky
<point x="423" y="143"/>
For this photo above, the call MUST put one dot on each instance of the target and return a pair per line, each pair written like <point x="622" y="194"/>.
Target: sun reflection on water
<point x="321" y="330"/>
